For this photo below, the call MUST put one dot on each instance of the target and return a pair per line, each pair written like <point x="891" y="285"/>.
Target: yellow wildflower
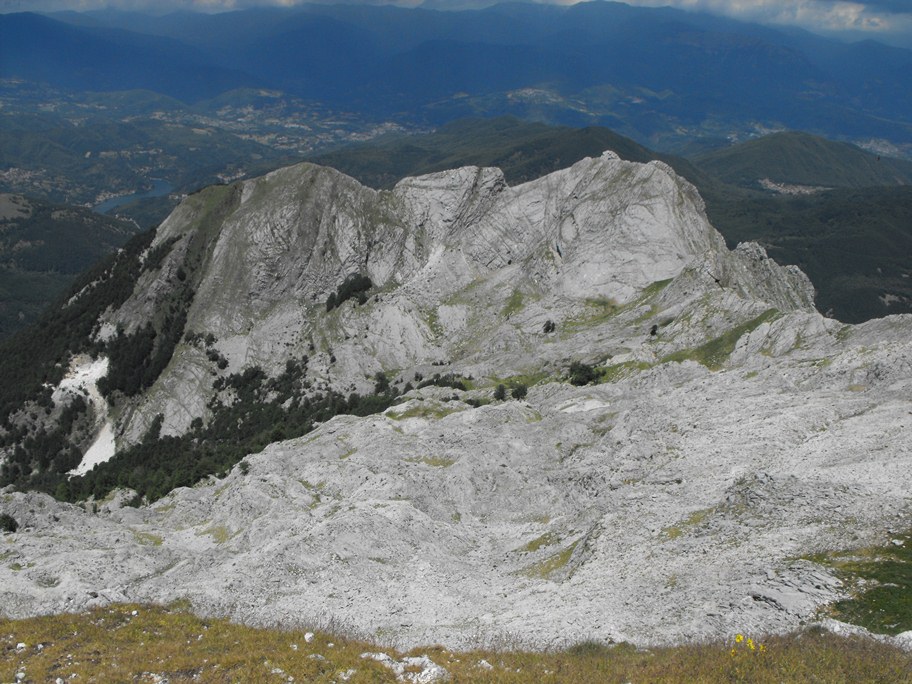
<point x="739" y="638"/>
<point x="750" y="644"/>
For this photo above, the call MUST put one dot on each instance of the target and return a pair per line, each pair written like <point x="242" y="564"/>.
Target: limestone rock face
<point x="736" y="430"/>
<point x="463" y="265"/>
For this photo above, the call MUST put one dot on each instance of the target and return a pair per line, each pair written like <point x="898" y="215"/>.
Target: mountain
<point x="812" y="230"/>
<point x="851" y="242"/>
<point x="661" y="76"/>
<point x="36" y="48"/>
<point x="799" y="159"/>
<point x="686" y="439"/>
<point x="43" y="247"/>
<point x="523" y="150"/>
<point x="853" y="285"/>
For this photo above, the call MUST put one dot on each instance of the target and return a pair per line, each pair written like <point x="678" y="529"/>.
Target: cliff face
<point x="735" y="430"/>
<point x="466" y="271"/>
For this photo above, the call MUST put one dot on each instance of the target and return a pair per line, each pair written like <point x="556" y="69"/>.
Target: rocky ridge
<point x="467" y="268"/>
<point x="739" y="431"/>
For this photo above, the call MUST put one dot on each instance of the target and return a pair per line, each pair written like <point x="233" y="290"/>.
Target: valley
<point x="91" y="148"/>
<point x="531" y="342"/>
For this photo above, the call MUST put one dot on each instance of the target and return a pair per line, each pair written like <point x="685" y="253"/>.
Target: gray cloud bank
<point x="888" y="20"/>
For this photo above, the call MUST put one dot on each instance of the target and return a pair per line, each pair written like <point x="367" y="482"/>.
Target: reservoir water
<point x="160" y="187"/>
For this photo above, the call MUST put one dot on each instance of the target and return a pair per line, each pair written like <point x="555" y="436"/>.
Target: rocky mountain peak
<point x="685" y="424"/>
<point x="444" y="252"/>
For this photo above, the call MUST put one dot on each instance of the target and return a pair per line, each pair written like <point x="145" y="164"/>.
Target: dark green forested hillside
<point x="523" y="150"/>
<point x="801" y="159"/>
<point x="854" y="244"/>
<point x="43" y="247"/>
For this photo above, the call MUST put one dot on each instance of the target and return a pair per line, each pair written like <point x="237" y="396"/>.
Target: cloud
<point x="852" y="18"/>
<point x="867" y="16"/>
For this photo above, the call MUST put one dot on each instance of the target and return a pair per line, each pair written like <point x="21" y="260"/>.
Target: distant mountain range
<point x="796" y="158"/>
<point x="658" y="75"/>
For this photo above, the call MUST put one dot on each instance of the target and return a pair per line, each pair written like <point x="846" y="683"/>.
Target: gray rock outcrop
<point x="737" y="432"/>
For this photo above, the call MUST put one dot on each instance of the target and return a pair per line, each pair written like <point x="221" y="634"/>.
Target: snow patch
<point x="82" y="379"/>
<point x="102" y="450"/>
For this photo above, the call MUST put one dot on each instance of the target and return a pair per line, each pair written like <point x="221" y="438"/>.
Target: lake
<point x="160" y="187"/>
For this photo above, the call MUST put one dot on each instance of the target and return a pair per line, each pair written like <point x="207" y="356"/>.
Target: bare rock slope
<point x="736" y="432"/>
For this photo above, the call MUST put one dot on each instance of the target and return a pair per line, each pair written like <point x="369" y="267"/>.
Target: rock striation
<point x="736" y="432"/>
<point x="463" y="263"/>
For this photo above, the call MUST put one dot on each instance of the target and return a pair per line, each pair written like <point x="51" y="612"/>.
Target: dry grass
<point x="113" y="645"/>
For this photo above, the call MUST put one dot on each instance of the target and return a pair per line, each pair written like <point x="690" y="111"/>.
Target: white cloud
<point x="819" y="15"/>
<point x="853" y="18"/>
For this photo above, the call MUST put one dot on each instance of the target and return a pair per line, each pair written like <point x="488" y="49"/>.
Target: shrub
<point x="500" y="393"/>
<point x="8" y="523"/>
<point x="519" y="392"/>
<point x="354" y="287"/>
<point x="549" y="327"/>
<point x="446" y="380"/>
<point x="582" y="374"/>
<point x="381" y="383"/>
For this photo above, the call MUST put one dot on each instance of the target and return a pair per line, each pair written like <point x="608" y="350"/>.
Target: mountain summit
<point x="685" y="429"/>
<point x="465" y="272"/>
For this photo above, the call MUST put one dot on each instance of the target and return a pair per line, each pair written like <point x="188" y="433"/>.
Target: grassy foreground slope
<point x="147" y="643"/>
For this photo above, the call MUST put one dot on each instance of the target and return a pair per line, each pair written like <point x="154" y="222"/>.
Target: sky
<point x="886" y="20"/>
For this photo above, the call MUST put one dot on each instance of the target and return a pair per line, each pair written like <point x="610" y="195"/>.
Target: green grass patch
<point x="601" y="309"/>
<point x="881" y="581"/>
<point x="147" y="538"/>
<point x="514" y="304"/>
<point x="547" y="539"/>
<point x="653" y="289"/>
<point x="220" y="533"/>
<point x="844" y="333"/>
<point x="598" y="310"/>
<point x="619" y="371"/>
<point x="424" y="410"/>
<point x="111" y="644"/>
<point x="527" y="379"/>
<point x="432" y="318"/>
<point x="433" y="461"/>
<point x="548" y="567"/>
<point x="716" y="352"/>
<point x="694" y="519"/>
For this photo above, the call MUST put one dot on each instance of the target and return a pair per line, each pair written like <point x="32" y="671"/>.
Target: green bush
<point x="8" y="523"/>
<point x="582" y="374"/>
<point x="519" y="392"/>
<point x="354" y="287"/>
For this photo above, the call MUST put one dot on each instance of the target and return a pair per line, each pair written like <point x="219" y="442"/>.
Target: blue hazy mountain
<point x="37" y="48"/>
<point x="642" y="71"/>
